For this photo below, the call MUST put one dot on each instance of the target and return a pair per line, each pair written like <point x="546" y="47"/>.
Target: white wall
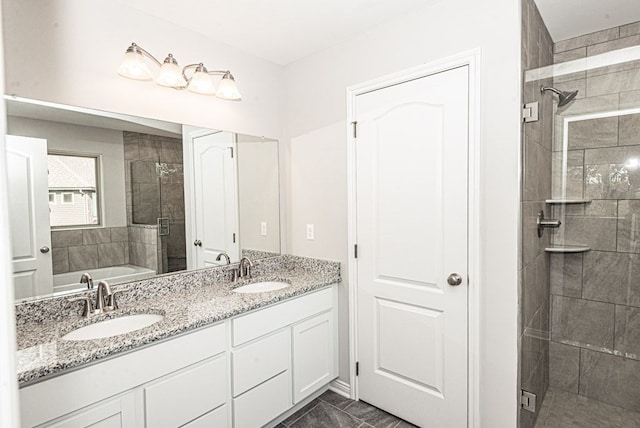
<point x="68" y="52"/>
<point x="258" y="193"/>
<point x="62" y="137"/>
<point x="315" y="109"/>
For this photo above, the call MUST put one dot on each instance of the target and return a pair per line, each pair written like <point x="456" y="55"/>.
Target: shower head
<point x="564" y="97"/>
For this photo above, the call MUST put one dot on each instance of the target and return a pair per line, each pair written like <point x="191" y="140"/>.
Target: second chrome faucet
<point x="244" y="267"/>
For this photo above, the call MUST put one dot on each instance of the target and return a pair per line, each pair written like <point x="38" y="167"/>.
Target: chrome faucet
<point x="85" y="278"/>
<point x="244" y="268"/>
<point x="105" y="300"/>
<point x="225" y="255"/>
<point x="102" y="294"/>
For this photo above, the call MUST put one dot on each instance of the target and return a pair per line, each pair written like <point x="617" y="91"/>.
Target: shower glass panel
<point x="580" y="343"/>
<point x="157" y="190"/>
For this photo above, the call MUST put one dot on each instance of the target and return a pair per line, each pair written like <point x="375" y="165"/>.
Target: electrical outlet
<point x="263" y="228"/>
<point x="310" y="233"/>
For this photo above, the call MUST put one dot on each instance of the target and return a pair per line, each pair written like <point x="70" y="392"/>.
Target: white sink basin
<point x="261" y="287"/>
<point x="113" y="327"/>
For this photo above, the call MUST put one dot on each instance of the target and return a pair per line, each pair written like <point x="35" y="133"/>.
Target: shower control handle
<point x="197" y="243"/>
<point x="544" y="223"/>
<point x="454" y="279"/>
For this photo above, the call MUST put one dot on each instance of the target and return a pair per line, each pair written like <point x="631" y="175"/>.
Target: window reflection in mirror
<point x="73" y="190"/>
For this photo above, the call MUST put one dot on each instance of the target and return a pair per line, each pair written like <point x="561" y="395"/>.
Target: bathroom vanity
<point x="218" y="358"/>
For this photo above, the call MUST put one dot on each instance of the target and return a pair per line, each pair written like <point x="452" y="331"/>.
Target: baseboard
<point x="340" y="387"/>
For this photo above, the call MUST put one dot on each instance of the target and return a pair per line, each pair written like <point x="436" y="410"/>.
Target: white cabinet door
<point x="117" y="413"/>
<point x="313" y="355"/>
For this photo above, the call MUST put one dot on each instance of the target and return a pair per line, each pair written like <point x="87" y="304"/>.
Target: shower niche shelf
<point x="567" y="201"/>
<point x="567" y="249"/>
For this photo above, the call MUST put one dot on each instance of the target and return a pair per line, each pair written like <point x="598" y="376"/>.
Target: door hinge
<point x="231" y="148"/>
<point x="528" y="400"/>
<point x="355" y="251"/>
<point x="530" y="112"/>
<point x="357" y="368"/>
<point x="355" y="129"/>
<point x="234" y="238"/>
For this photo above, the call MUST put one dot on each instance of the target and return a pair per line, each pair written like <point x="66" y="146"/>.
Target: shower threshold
<point x="562" y="409"/>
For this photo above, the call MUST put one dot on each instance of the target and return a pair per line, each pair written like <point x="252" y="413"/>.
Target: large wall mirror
<point x="126" y="198"/>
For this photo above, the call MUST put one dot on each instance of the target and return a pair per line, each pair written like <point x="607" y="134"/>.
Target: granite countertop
<point x="187" y="300"/>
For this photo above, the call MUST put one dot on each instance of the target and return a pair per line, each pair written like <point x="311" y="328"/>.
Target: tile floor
<point x="332" y="410"/>
<point x="563" y="409"/>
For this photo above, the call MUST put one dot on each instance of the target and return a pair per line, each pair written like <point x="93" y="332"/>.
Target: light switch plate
<point x="263" y="228"/>
<point x="310" y="232"/>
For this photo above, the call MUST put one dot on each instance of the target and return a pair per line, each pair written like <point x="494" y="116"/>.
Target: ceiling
<point x="280" y="31"/>
<point x="566" y="19"/>
<point x="283" y="31"/>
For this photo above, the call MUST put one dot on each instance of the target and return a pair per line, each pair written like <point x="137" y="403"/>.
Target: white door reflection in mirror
<point x="215" y="198"/>
<point x="29" y="215"/>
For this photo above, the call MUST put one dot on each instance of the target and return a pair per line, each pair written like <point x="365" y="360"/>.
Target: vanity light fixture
<point x="134" y="66"/>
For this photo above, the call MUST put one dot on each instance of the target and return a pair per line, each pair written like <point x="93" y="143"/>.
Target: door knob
<point x="197" y="243"/>
<point x="454" y="279"/>
<point x="44" y="249"/>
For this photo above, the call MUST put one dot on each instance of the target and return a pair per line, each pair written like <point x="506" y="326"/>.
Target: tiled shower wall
<point x="144" y="249"/>
<point x="537" y="51"/>
<point x="595" y="322"/>
<point x="154" y="180"/>
<point x="85" y="249"/>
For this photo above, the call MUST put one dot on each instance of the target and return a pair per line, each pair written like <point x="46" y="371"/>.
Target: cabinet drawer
<point x="260" y="360"/>
<point x="258" y="406"/>
<point x="186" y="395"/>
<point x="214" y="419"/>
<point x="256" y="324"/>
<point x="117" y="413"/>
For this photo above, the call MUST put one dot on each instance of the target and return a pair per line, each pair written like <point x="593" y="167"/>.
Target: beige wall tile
<point x="587" y="39"/>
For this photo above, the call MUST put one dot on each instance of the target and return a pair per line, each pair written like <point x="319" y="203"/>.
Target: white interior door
<point x="216" y="201"/>
<point x="29" y="215"/>
<point x="411" y="209"/>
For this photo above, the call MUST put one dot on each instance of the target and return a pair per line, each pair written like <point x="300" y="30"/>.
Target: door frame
<point x="472" y="59"/>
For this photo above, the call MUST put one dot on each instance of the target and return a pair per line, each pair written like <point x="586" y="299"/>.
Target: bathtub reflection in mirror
<point x="125" y="198"/>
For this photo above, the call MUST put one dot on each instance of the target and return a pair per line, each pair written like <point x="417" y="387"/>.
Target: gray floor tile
<point x="325" y="415"/>
<point x="335" y="399"/>
<point x="371" y="415"/>
<point x="405" y="424"/>
<point x="300" y="413"/>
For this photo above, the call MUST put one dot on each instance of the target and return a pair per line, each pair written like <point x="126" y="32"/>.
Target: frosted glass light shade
<point x="201" y="83"/>
<point x="171" y="75"/>
<point x="227" y="89"/>
<point x="134" y="67"/>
